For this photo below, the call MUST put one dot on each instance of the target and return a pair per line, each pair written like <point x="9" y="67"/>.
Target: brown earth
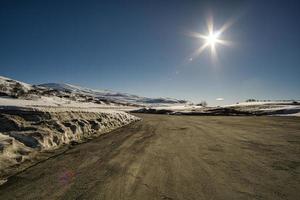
<point x="173" y="157"/>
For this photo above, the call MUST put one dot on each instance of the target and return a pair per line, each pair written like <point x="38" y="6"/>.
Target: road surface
<point x="173" y="157"/>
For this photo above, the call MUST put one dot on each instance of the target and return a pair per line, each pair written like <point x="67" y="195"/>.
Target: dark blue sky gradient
<point x="141" y="47"/>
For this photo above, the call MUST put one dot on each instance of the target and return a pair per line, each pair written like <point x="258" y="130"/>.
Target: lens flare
<point x="211" y="39"/>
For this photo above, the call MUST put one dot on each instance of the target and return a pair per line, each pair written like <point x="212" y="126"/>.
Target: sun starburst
<point x="211" y="39"/>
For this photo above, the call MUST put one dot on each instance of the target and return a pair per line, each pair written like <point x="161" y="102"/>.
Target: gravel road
<point x="171" y="158"/>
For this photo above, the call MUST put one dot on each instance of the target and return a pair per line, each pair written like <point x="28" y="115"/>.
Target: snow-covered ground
<point x="24" y="132"/>
<point x="274" y="108"/>
<point x="113" y="96"/>
<point x="176" y="107"/>
<point x="34" y="119"/>
<point x="68" y="93"/>
<point x="8" y="83"/>
<point x="277" y="108"/>
<point x="59" y="103"/>
<point x="259" y="103"/>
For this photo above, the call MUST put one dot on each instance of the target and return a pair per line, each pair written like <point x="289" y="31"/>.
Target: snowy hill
<point x="112" y="96"/>
<point x="35" y="118"/>
<point x="13" y="87"/>
<point x="59" y="93"/>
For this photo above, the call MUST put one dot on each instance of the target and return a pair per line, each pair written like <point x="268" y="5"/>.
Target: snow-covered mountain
<point x="111" y="95"/>
<point x="35" y="119"/>
<point x="10" y="87"/>
<point x="17" y="89"/>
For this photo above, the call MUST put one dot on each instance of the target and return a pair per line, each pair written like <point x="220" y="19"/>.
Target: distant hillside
<point x="17" y="89"/>
<point x="110" y="95"/>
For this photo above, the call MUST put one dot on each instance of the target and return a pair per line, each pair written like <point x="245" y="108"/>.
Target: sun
<point x="212" y="39"/>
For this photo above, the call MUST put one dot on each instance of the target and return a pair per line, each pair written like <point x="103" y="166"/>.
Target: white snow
<point x="256" y="103"/>
<point x="59" y="103"/>
<point x="8" y="83"/>
<point x="292" y="115"/>
<point x="288" y="108"/>
<point x="27" y="131"/>
<point x="176" y="107"/>
<point x="111" y="95"/>
<point x="39" y="123"/>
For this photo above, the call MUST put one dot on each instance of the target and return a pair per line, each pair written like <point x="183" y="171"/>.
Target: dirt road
<point x="174" y="157"/>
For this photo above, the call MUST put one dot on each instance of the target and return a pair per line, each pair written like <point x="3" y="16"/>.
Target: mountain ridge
<point x="18" y="89"/>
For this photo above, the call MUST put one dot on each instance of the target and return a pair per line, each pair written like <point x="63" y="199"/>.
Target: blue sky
<point x="142" y="47"/>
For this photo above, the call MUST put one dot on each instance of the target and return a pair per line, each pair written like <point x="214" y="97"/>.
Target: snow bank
<point x="176" y="107"/>
<point x="277" y="108"/>
<point x="26" y="131"/>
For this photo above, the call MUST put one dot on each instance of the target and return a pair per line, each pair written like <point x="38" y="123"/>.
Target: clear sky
<point x="142" y="47"/>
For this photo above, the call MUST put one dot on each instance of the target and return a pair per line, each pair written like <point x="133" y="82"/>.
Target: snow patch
<point x="110" y="95"/>
<point x="24" y="132"/>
